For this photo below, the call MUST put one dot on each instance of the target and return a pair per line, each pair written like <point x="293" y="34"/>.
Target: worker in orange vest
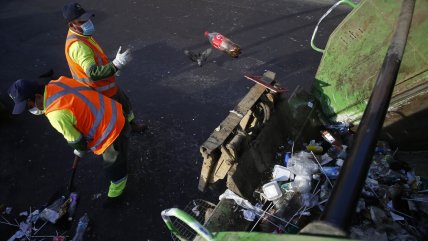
<point x="88" y="120"/>
<point x="88" y="63"/>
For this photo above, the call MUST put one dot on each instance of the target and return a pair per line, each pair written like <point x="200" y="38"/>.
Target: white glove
<point x="79" y="153"/>
<point x="122" y="58"/>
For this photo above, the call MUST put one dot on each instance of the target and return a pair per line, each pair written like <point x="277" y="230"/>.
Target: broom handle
<point x="73" y="169"/>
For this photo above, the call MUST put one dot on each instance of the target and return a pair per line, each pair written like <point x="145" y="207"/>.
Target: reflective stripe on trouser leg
<point x="115" y="158"/>
<point x="116" y="187"/>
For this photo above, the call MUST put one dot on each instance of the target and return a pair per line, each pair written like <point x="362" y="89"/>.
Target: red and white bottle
<point x="224" y="44"/>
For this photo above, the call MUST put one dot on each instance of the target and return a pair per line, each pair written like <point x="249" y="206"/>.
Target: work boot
<point x="138" y="127"/>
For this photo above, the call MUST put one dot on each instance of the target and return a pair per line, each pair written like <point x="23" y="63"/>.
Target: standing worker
<point x="88" y="120"/>
<point x="88" y="63"/>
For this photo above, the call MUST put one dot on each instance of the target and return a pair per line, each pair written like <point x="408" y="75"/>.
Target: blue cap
<point x="72" y="11"/>
<point x="22" y="90"/>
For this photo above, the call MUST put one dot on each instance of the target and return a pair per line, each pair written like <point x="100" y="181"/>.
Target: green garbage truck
<point x="373" y="73"/>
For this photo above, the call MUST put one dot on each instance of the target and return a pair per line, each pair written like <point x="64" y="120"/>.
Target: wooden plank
<point x="218" y="137"/>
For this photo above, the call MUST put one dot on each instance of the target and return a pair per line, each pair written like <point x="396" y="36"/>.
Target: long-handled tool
<point x="73" y="173"/>
<point x="67" y="201"/>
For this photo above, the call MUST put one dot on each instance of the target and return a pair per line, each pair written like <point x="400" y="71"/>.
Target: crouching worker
<point x="88" y="120"/>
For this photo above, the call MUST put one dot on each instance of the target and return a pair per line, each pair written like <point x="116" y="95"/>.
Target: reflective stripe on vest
<point x="104" y="88"/>
<point x="107" y="86"/>
<point x="86" y="80"/>
<point x="99" y="114"/>
<point x="110" y="126"/>
<point x="98" y="59"/>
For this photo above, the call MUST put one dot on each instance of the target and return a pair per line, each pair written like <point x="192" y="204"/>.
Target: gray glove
<point x="79" y="153"/>
<point x="122" y="58"/>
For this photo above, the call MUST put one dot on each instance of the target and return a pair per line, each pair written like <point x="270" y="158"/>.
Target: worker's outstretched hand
<point x="122" y="58"/>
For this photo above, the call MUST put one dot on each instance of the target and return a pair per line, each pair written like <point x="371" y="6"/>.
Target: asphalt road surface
<point x="181" y="102"/>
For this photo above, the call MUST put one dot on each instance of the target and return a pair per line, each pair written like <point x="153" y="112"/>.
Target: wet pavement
<point x="181" y="102"/>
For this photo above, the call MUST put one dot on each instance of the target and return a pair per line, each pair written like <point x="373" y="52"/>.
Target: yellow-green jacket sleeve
<point x="83" y="55"/>
<point x="64" y="122"/>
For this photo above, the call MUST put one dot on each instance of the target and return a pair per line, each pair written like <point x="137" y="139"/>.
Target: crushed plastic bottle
<point x="224" y="44"/>
<point x="55" y="211"/>
<point x="81" y="228"/>
<point x="73" y="204"/>
<point x="287" y="157"/>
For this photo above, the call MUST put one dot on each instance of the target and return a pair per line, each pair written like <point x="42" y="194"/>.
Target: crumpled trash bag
<point x="309" y="200"/>
<point x="302" y="184"/>
<point x="249" y="211"/>
<point x="249" y="215"/>
<point x="228" y="194"/>
<point x="302" y="164"/>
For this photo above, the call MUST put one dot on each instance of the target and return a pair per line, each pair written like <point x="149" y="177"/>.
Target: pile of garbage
<point x="393" y="204"/>
<point x="29" y="224"/>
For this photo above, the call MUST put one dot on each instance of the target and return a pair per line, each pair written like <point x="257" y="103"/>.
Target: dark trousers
<point x="123" y="99"/>
<point x="115" y="159"/>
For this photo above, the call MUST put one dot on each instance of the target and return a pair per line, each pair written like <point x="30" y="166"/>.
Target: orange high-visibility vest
<point x="98" y="118"/>
<point x="106" y="86"/>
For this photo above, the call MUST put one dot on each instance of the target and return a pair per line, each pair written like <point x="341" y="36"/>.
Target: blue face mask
<point x="88" y="28"/>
